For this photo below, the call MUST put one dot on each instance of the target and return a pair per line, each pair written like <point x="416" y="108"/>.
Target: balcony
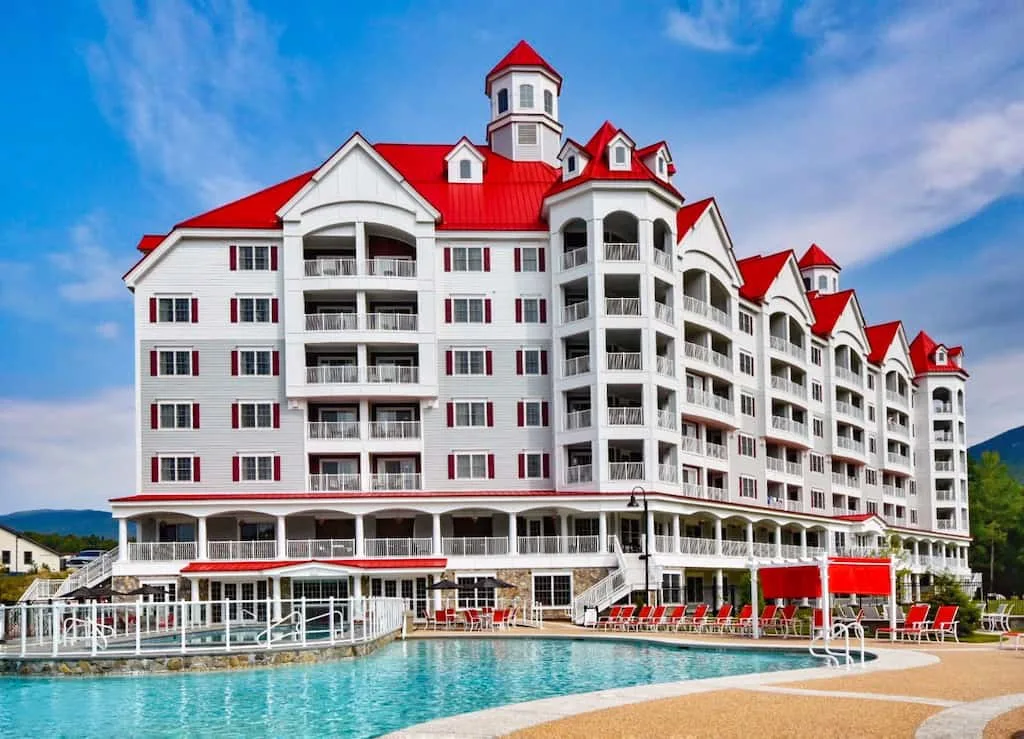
<point x="391" y="321"/>
<point x="901" y="459"/>
<point x="667" y="419"/>
<point x="665" y="366"/>
<point x="391" y="374"/>
<point x="894" y="492"/>
<point x="898" y="428"/>
<point x="894" y="398"/>
<point x="574" y="258"/>
<point x="944" y="465"/>
<point x="943" y="437"/>
<point x="321" y="548"/>
<point x="709" y="400"/>
<point x="576" y="366"/>
<point x="391" y="268"/>
<point x="579" y="473"/>
<point x="621" y="252"/>
<point x="942" y="408"/>
<point x="623" y="416"/>
<point x="783" y="345"/>
<point x="664" y="313"/>
<point x="781" y="423"/>
<point x="702" y="353"/>
<point x="706" y="310"/>
<point x="396" y="481"/>
<point x="946" y="524"/>
<point x="778" y="464"/>
<point x="622" y="306"/>
<point x="845" y="442"/>
<point x="394" y="429"/>
<point x="716" y="451"/>
<point x="332" y="375"/>
<point x="690" y="444"/>
<point x="663" y="259"/>
<point x="623" y="361"/>
<point x="693" y="490"/>
<point x="162" y="551"/>
<point x="559" y="545"/>
<point x="786" y="385"/>
<point x="945" y="496"/>
<point x="398" y="547"/>
<point x="329" y="483"/>
<point x="849" y="376"/>
<point x="241" y="550"/>
<point x="577" y="420"/>
<point x="626" y="470"/>
<point x="332" y="430"/>
<point x="347" y="267"/>
<point x="668" y="473"/>
<point x="576" y="312"/>
<point x="474" y="546"/>
<point x="332" y="322"/>
<point x="849" y="410"/>
<point x="846" y="481"/>
<point x="367" y="321"/>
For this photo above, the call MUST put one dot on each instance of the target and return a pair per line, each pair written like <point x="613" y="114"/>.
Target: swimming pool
<point x="403" y="684"/>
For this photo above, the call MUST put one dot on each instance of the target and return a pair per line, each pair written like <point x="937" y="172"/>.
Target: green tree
<point x="997" y="505"/>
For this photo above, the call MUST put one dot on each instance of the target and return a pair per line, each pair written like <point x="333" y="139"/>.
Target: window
<point x="817" y="463"/>
<point x="747" y="448"/>
<point x="175" y="415"/>
<point x="748" y="405"/>
<point x="526" y="134"/>
<point x="465" y="169"/>
<point x="255" y="415"/>
<point x="913" y="487"/>
<point x="533" y="413"/>
<point x="870" y="477"/>
<point x="255" y="362"/>
<point x="176" y="469"/>
<point x="913" y="516"/>
<point x="746" y="363"/>
<point x="525" y="96"/>
<point x="549" y="102"/>
<point x="254" y="258"/>
<point x="815" y="355"/>
<point x="470" y="597"/>
<point x="533" y="466"/>
<point x="871" y="413"/>
<point x="502" y="101"/>
<point x="174" y="310"/>
<point x="748" y="487"/>
<point x="468" y="310"/>
<point x="746" y="323"/>
<point x="552" y="590"/>
<point x="468" y="362"/>
<point x="620" y="154"/>
<point x="256" y="468"/>
<point x="28" y="557"/>
<point x="471" y="466"/>
<point x="818" y="499"/>
<point x="816" y="392"/>
<point x="671" y="587"/>
<point x="570" y="163"/>
<point x="531" y="310"/>
<point x="819" y="428"/>
<point x="467" y="259"/>
<point x="661" y="165"/>
<point x="531" y="362"/>
<point x="254" y="310"/>
<point x="871" y="444"/>
<point x="871" y="507"/>
<point x="470" y="413"/>
<point x="5" y="557"/>
<point x="529" y="259"/>
<point x="871" y="382"/>
<point x="822" y="283"/>
<point x="175" y="363"/>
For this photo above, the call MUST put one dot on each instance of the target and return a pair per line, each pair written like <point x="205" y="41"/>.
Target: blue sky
<point x="892" y="134"/>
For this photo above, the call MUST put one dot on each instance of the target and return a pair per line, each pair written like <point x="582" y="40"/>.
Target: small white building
<point x="19" y="554"/>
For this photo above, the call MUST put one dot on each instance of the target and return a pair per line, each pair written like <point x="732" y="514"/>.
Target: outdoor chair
<point x="871" y="613"/>
<point x="624" y="617"/>
<point x="945" y="623"/>
<point x="720" y="621"/>
<point x="672" y="620"/>
<point x="653" y="619"/>
<point x="611" y="618"/>
<point x="768" y="618"/>
<point x="788" y="621"/>
<point x="743" y="622"/>
<point x="914" y="624"/>
<point x="696" y="620"/>
<point x="634" y="622"/>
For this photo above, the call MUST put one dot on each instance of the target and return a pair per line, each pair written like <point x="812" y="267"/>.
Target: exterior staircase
<point x="620" y="582"/>
<point x="92" y="574"/>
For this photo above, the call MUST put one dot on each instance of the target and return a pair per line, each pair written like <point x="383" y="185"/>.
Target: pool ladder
<point x="821" y="645"/>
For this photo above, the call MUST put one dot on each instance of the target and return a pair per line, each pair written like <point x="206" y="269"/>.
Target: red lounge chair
<point x="1014" y="638"/>
<point x="654" y="619"/>
<point x="767" y="619"/>
<point x="673" y="619"/>
<point x="720" y="621"/>
<point x="743" y="622"/>
<point x="636" y="621"/>
<point x="611" y="618"/>
<point x="696" y="621"/>
<point x="945" y="624"/>
<point x="625" y="617"/>
<point x="787" y="620"/>
<point x="913" y="625"/>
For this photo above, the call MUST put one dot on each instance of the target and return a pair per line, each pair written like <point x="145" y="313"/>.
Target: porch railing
<point x="474" y="546"/>
<point x="397" y="481"/>
<point x="332" y="430"/>
<point x="398" y="547"/>
<point x="394" y="429"/>
<point x="321" y="548"/>
<point x="241" y="550"/>
<point x="326" y="483"/>
<point x="626" y="470"/>
<point x="162" y="551"/>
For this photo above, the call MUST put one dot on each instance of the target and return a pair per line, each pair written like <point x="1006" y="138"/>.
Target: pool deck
<point x="924" y="691"/>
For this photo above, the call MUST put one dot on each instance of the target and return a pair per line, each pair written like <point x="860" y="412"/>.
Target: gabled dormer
<point x="658" y="159"/>
<point x="940" y="355"/>
<point x="465" y="163"/>
<point x="574" y="159"/>
<point x="620" y="153"/>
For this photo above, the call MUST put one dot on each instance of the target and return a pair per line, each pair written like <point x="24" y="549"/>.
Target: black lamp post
<point x="646" y="556"/>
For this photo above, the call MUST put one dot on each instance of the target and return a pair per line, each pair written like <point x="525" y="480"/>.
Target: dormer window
<point x="502" y="101"/>
<point x="465" y="169"/>
<point x="570" y="163"/>
<point x="940" y="356"/>
<point x="620" y="155"/>
<point x="549" y="102"/>
<point x="526" y="96"/>
<point x="661" y="166"/>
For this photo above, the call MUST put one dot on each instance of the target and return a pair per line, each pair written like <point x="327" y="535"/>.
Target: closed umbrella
<point x="147" y="590"/>
<point x="79" y="594"/>
<point x="492" y="582"/>
<point x="445" y="585"/>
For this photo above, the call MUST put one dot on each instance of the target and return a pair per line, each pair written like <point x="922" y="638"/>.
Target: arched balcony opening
<point x="574" y="243"/>
<point x="704" y="295"/>
<point x="621" y="237"/>
<point x="848" y="365"/>
<point x="787" y="335"/>
<point x="942" y="400"/>
<point x="662" y="244"/>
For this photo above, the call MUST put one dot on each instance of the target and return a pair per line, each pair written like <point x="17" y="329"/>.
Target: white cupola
<point x="523" y="90"/>
<point x="820" y="273"/>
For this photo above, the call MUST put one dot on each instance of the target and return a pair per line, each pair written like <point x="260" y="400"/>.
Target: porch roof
<point x="417" y="563"/>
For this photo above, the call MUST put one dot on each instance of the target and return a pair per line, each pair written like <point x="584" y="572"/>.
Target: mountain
<point x="48" y="521"/>
<point x="1010" y="447"/>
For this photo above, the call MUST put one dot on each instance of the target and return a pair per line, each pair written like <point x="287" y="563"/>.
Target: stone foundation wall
<point x="585" y="578"/>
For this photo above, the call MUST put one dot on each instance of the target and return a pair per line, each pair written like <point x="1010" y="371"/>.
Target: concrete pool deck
<point x="925" y="691"/>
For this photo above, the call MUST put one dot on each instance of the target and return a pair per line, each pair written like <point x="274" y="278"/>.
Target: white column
<point x="436" y="548"/>
<point x="563" y="532"/>
<point x="357" y="586"/>
<point x="282" y="538"/>
<point x="754" y="625"/>
<point x="275" y="594"/>
<point x="917" y="561"/>
<point x="513" y="535"/>
<point x="750" y="538"/>
<point x="778" y="540"/>
<point x="650" y="531"/>
<point x="803" y="542"/>
<point x="201" y="537"/>
<point x="437" y="594"/>
<point x="602" y="531"/>
<point x="829" y="543"/>
<point x="676" y="535"/>
<point x="122" y="540"/>
<point x="360" y="542"/>
<point x="719" y="588"/>
<point x="718" y="537"/>
<point x="361" y="255"/>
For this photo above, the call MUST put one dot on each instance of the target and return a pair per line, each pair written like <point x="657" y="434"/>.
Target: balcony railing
<point x="332" y="321"/>
<point x="575" y="311"/>
<point x="384" y="267"/>
<point x="392" y="321"/>
<point x="717" y="451"/>
<point x="901" y="459"/>
<point x="665" y="366"/>
<point x="162" y="551"/>
<point x="663" y="259"/>
<point x="579" y="473"/>
<point x="845" y="442"/>
<point x="849" y="410"/>
<point x="624" y="416"/>
<point x="898" y="428"/>
<point x="943" y="437"/>
<point x="390" y="374"/>
<point x="838" y="478"/>
<point x="701" y="308"/>
<point x="764" y="549"/>
<point x="394" y="429"/>
<point x="626" y="470"/>
<point x="396" y="481"/>
<point x="942" y="407"/>
<point x="577" y="366"/>
<point x="690" y="444"/>
<point x="331" y="267"/>
<point x="348" y="373"/>
<point x="331" y="430"/>
<point x="577" y="420"/>
<point x="621" y="252"/>
<point x="702" y="353"/>
<point x="788" y="386"/>
<point x="782" y="344"/>
<point x="667" y="419"/>
<point x="894" y="492"/>
<point x="693" y="490"/>
<point x="668" y="473"/>
<point x="574" y="258"/>
<point x="241" y="549"/>
<point x="321" y="548"/>
<point x="398" y="547"/>
<point x="617" y="361"/>
<point x="622" y="306"/>
<point x="696" y="545"/>
<point x="946" y="496"/>
<point x="663" y="312"/>
<point x="781" y="423"/>
<point x="709" y="400"/>
<point x="539" y="544"/>
<point x="894" y="397"/>
<point x="325" y="483"/>
<point x="474" y="546"/>
<point x="944" y="466"/>
<point x="849" y="376"/>
<point x="734" y="548"/>
<point x="946" y="524"/>
<point x="775" y="464"/>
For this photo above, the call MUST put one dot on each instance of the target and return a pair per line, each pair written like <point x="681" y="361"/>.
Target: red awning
<point x="846" y="575"/>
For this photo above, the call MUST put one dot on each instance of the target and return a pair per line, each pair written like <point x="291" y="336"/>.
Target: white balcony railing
<point x="577" y="420"/>
<point x="241" y="550"/>
<point x="942" y="407"/>
<point x="390" y="374"/>
<point x="332" y="321"/>
<point x="894" y="492"/>
<point x="622" y="306"/>
<point x="944" y="465"/>
<point x="845" y="442"/>
<point x="775" y="464"/>
<point x="577" y="366"/>
<point x="702" y="308"/>
<point x="782" y="344"/>
<point x="579" y="473"/>
<point x="539" y="544"/>
<point x="898" y="428"/>
<point x="664" y="313"/>
<point x="623" y="416"/>
<point x="794" y="468"/>
<point x="321" y="548"/>
<point x="397" y="547"/>
<point x="665" y="366"/>
<point x="716" y="451"/>
<point x="690" y="444"/>
<point x="626" y="470"/>
<point x="474" y="546"/>
<point x="849" y="376"/>
<point x="709" y="400"/>
<point x="663" y="259"/>
<point x="668" y="473"/>
<point x="575" y="311"/>
<point x="693" y="490"/>
<point x="574" y="258"/>
<point x="846" y="481"/>
<point x="326" y="483"/>
<point x="330" y="267"/>
<point x="396" y="481"/>
<point x="900" y="459"/>
<point x="667" y="419"/>
<point x="850" y="410"/>
<point x="332" y="374"/>
<point x="786" y="385"/>
<point x="394" y="429"/>
<point x="625" y="361"/>
<point x="781" y="423"/>
<point x="945" y="496"/>
<point x="331" y="430"/>
<point x="384" y="267"/>
<point x="162" y="551"/>
<point x="943" y="437"/>
<point x="392" y="321"/>
<point x="621" y="252"/>
<point x="945" y="524"/>
<point x="698" y="546"/>
<point x="895" y="398"/>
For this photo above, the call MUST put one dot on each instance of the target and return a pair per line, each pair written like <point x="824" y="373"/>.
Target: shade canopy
<point x="445" y="585"/>
<point x="492" y="582"/>
<point x="847" y="575"/>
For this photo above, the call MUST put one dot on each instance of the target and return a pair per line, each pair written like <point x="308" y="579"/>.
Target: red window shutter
<point x="234" y="257"/>
<point x="154" y="416"/>
<point x="447" y="259"/>
<point x="520" y="414"/>
<point x="451" y="466"/>
<point x="519" y="310"/>
<point x="154" y="469"/>
<point x="487" y="310"/>
<point x="540" y="259"/>
<point x="487" y="259"/>
<point x="277" y="415"/>
<point x="739" y="443"/>
<point x="277" y="469"/>
<point x="490" y="466"/>
<point x="447" y="310"/>
<point x="153" y="364"/>
<point x="522" y="465"/>
<point x="519" y="361"/>
<point x="517" y="260"/>
<point x="755" y="488"/>
<point x="236" y="469"/>
<point x="488" y="362"/>
<point x="543" y="362"/>
<point x="276" y="363"/>
<point x="196" y="477"/>
<point x="546" y="465"/>
<point x="195" y="363"/>
<point x="451" y="414"/>
<point x="234" y="310"/>
<point x="490" y="413"/>
<point x="273" y="258"/>
<point x="152" y="310"/>
<point x="195" y="415"/>
<point x="274" y="312"/>
<point x="234" y="415"/>
<point x="448" y="362"/>
<point x="234" y="363"/>
<point x="543" y="310"/>
<point x="544" y="413"/>
<point x="195" y="310"/>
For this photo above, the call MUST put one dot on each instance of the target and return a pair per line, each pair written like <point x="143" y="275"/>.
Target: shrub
<point x="946" y="591"/>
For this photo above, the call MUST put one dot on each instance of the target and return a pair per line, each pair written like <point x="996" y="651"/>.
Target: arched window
<point x="570" y="163"/>
<point x="502" y="101"/>
<point x="620" y="154"/>
<point x="549" y="102"/>
<point x="822" y="282"/>
<point x="465" y="169"/>
<point x="525" y="96"/>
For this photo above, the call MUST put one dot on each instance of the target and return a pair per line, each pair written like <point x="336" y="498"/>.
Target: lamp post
<point x="634" y="503"/>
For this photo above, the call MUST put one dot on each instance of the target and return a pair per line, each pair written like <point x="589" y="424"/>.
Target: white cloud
<point x="994" y="400"/>
<point x="721" y="25"/>
<point x="108" y="330"/>
<point x="73" y="453"/>
<point x="94" y="274"/>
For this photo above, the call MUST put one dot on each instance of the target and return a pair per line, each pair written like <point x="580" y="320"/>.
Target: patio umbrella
<point x="103" y="591"/>
<point x="146" y="590"/>
<point x="445" y="585"/>
<point x="78" y="594"/>
<point x="492" y="582"/>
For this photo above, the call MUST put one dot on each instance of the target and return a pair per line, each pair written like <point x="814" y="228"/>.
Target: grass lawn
<point x="979" y="637"/>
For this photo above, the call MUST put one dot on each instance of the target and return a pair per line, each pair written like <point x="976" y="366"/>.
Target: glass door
<point x="629" y="530"/>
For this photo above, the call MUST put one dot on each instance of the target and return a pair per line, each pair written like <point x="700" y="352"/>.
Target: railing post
<point x="302" y="620"/>
<point x="227" y="626"/>
<point x="184" y="615"/>
<point x="23" y="628"/>
<point x="352" y="619"/>
<point x="93" y="627"/>
<point x="138" y="625"/>
<point x="55" y="626"/>
<point x="330" y="619"/>
<point x="270" y="623"/>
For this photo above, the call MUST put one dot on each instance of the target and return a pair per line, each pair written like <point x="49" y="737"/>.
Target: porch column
<point x="513" y="535"/>
<point x="563" y="523"/>
<point x="282" y="538"/>
<point x="436" y="548"/>
<point x="915" y="588"/>
<point x="829" y="543"/>
<point x="718" y="537"/>
<point x="193" y="596"/>
<point x="360" y="543"/>
<point x="676" y="536"/>
<point x="361" y="255"/>
<point x="917" y="560"/>
<point x="357" y="586"/>
<point x="719" y="589"/>
<point x="201" y="537"/>
<point x="750" y="538"/>
<point x="650" y="531"/>
<point x="275" y="594"/>
<point x="122" y="540"/>
<point x="803" y="543"/>
<point x="602" y="532"/>
<point x="436" y="594"/>
<point x="778" y="541"/>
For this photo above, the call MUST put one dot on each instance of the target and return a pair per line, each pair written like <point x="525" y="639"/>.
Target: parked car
<point x="83" y="558"/>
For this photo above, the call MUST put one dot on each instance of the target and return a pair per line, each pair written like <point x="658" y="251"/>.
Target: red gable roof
<point x="880" y="338"/>
<point x="760" y="272"/>
<point x="688" y="215"/>
<point x="522" y="55"/>
<point x="922" y="356"/>
<point x="648" y="150"/>
<point x="149" y="242"/>
<point x="816" y="257"/>
<point x="827" y="309"/>
<point x="258" y="210"/>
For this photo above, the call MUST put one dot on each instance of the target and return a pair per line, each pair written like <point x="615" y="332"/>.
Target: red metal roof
<point x="760" y="272"/>
<point x="688" y="215"/>
<point x="423" y="563"/>
<point x="258" y="210"/>
<point x="149" y="242"/>
<point x="880" y="338"/>
<point x="522" y="55"/>
<point x="815" y="256"/>
<point x="922" y="356"/>
<point x="827" y="309"/>
<point x="858" y="517"/>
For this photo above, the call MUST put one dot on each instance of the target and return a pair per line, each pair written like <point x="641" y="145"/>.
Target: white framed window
<point x="467" y="259"/>
<point x="254" y="310"/>
<point x="819" y="427"/>
<point x="817" y="463"/>
<point x="256" y="467"/>
<point x="465" y="169"/>
<point x="871" y="507"/>
<point x="525" y="96"/>
<point x="913" y="516"/>
<point x="468" y="310"/>
<point x="533" y="413"/>
<point x="748" y="404"/>
<point x="533" y="466"/>
<point x="176" y="469"/>
<point x="174" y="362"/>
<point x="871" y="413"/>
<point x="529" y="259"/>
<point x="526" y="134"/>
<point x="816" y="392"/>
<point x="746" y="321"/>
<point x="254" y="362"/>
<point x="174" y="415"/>
<point x="468" y="362"/>
<point x="818" y="499"/>
<point x="471" y="466"/>
<point x="549" y="102"/>
<point x="531" y="362"/>
<point x="870" y="477"/>
<point x="254" y="258"/>
<point x="174" y="310"/>
<point x="661" y="165"/>
<point x="747" y="446"/>
<point x="255" y="415"/>
<point x="815" y="355"/>
<point x="620" y="154"/>
<point x="871" y="444"/>
<point x="570" y="163"/>
<point x="748" y="487"/>
<point x="531" y="310"/>
<point x="503" y="100"/>
<point x="822" y="283"/>
<point x="552" y="591"/>
<point x="746" y="364"/>
<point x="470" y="413"/>
<point x="871" y="382"/>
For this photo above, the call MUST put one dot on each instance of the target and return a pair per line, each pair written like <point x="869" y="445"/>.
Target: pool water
<point x="403" y="684"/>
